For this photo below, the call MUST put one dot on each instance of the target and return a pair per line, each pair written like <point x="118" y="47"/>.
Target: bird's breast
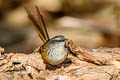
<point x="56" y="53"/>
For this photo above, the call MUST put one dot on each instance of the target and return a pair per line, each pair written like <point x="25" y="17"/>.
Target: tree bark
<point x="103" y="64"/>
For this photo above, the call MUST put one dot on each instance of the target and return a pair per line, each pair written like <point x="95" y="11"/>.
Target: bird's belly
<point x="56" y="54"/>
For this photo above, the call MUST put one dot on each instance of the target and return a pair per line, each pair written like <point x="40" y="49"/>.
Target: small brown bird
<point x="53" y="51"/>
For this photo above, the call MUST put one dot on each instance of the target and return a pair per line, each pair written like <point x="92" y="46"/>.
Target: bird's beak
<point x="66" y="39"/>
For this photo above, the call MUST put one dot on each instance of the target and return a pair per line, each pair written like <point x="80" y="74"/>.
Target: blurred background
<point x="90" y="23"/>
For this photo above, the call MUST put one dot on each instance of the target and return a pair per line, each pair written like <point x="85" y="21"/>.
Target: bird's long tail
<point x="39" y="24"/>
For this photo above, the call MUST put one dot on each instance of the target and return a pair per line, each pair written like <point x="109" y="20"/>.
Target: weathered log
<point x="88" y="64"/>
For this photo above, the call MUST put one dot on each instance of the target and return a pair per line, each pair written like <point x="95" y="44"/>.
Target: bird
<point x="54" y="50"/>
